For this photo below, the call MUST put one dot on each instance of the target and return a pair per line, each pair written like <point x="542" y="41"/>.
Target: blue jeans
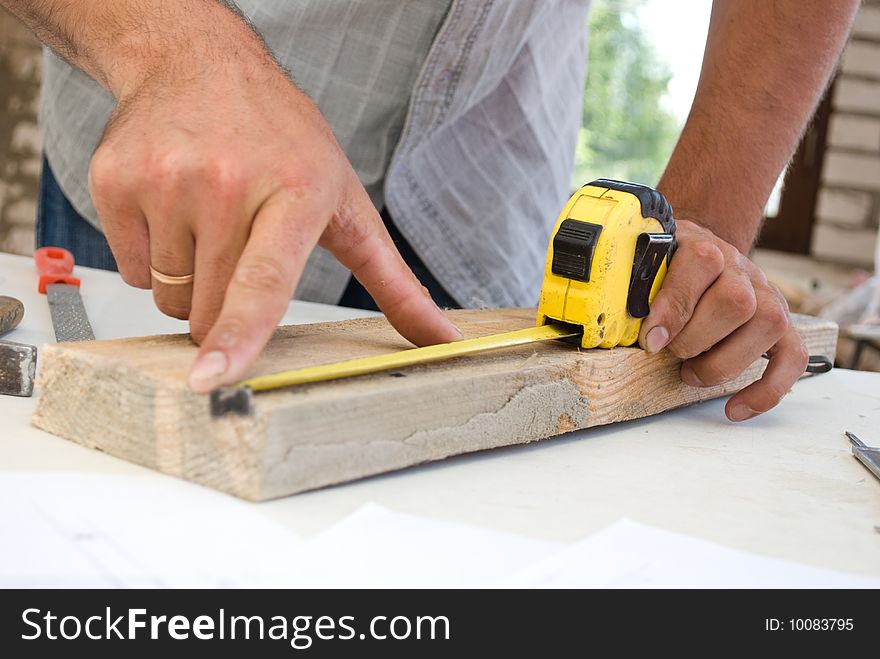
<point x="356" y="295"/>
<point x="60" y="225"/>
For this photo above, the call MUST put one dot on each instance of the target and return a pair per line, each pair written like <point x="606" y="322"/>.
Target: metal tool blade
<point x="68" y="314"/>
<point x="18" y="364"/>
<point x="867" y="455"/>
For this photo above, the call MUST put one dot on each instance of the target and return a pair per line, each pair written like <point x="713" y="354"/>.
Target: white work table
<point x="784" y="485"/>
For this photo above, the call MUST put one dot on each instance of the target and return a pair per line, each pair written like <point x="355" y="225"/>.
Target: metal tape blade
<point x="239" y="399"/>
<point x="68" y="314"/>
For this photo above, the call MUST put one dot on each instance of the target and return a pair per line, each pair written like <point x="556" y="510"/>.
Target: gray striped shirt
<point x="460" y="115"/>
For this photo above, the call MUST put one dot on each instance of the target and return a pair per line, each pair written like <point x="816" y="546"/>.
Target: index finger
<point x="258" y="293"/>
<point x="788" y="360"/>
<point x="696" y="266"/>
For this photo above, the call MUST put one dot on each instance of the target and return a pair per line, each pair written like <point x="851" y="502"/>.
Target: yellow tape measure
<point x="404" y="358"/>
<point x="607" y="258"/>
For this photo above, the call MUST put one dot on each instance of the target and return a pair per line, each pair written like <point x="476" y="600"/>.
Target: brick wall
<point x="849" y="201"/>
<point x="20" y="145"/>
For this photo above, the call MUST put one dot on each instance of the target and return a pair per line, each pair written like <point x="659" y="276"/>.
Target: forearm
<point x="764" y="71"/>
<point x="122" y="42"/>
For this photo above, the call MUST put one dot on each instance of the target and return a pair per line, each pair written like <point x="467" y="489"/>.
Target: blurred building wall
<point x="849" y="200"/>
<point x="20" y="145"/>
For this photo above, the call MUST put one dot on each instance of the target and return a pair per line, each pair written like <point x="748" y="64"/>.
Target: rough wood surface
<point x="129" y="398"/>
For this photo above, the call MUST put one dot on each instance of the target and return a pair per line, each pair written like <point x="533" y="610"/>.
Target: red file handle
<point x="56" y="267"/>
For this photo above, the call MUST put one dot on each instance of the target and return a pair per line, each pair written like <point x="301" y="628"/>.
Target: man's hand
<point x="231" y="173"/>
<point x="757" y="90"/>
<point x="215" y="165"/>
<point x="717" y="311"/>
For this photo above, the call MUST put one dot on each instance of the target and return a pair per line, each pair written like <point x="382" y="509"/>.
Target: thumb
<point x="696" y="266"/>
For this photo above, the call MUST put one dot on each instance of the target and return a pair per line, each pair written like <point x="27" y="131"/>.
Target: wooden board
<point x="129" y="398"/>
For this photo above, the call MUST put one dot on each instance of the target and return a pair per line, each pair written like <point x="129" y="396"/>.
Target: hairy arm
<point x="765" y="68"/>
<point x="216" y="170"/>
<point x="122" y="42"/>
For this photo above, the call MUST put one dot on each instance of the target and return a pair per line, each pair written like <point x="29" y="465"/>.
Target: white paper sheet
<point x="628" y="554"/>
<point x="67" y="530"/>
<point x="76" y="530"/>
<point x="377" y="547"/>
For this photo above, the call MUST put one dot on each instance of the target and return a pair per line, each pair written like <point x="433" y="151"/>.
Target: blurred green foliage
<point x="628" y="133"/>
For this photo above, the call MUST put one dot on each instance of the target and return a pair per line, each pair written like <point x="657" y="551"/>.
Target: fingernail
<point x="690" y="378"/>
<point x="657" y="339"/>
<point x="456" y="333"/>
<point x="209" y="367"/>
<point x="741" y="412"/>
